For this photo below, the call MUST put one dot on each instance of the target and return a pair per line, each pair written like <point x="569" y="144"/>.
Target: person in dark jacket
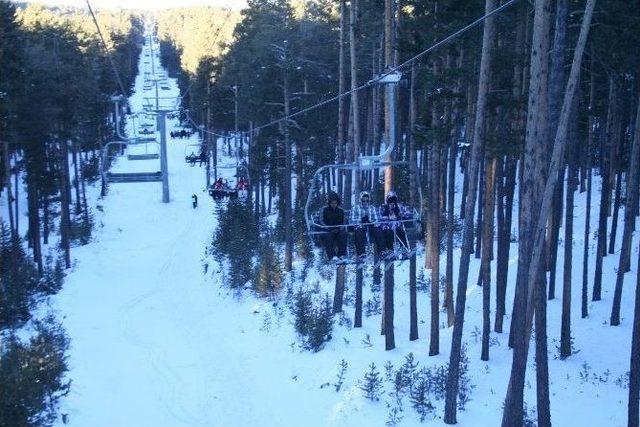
<point x="364" y="216"/>
<point x="194" y="201"/>
<point x="391" y="215"/>
<point x="333" y="217"/>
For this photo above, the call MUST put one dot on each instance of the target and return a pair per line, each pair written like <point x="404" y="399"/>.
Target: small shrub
<point x="372" y="384"/>
<point x="342" y="370"/>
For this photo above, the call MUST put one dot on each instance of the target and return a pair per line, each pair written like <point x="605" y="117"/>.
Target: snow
<point x="157" y="342"/>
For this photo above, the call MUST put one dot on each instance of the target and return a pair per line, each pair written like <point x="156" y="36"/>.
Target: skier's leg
<point x="328" y="244"/>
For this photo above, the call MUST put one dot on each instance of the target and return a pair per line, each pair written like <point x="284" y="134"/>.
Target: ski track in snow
<point x="155" y="342"/>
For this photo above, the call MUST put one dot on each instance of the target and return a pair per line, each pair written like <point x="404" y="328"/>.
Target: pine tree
<point x="372" y="384"/>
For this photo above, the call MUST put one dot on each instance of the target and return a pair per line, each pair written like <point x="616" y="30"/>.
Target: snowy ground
<point x="156" y="342"/>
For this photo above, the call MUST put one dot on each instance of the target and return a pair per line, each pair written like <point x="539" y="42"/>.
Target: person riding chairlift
<point x="364" y="216"/>
<point x="219" y="184"/>
<point x="242" y="185"/>
<point x="336" y="236"/>
<point x="392" y="213"/>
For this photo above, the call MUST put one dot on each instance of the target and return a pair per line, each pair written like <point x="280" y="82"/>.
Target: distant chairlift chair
<point x="125" y="177"/>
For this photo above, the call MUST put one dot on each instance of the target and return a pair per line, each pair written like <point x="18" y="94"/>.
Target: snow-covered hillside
<point x="157" y="342"/>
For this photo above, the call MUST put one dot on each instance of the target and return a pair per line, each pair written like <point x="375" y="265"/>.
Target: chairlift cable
<point x="392" y="70"/>
<point x="106" y="50"/>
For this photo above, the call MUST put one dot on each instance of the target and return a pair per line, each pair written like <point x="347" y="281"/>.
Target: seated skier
<point x="364" y="216"/>
<point x="219" y="184"/>
<point x="191" y="158"/>
<point x="241" y="185"/>
<point x="391" y="214"/>
<point x="336" y="236"/>
<point x="203" y="157"/>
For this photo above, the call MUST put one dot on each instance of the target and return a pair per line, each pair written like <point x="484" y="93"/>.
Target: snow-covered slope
<point x="157" y="342"/>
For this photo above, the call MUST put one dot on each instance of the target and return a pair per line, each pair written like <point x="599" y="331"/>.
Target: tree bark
<point x="357" y="321"/>
<point x="634" y="369"/>
<point x="65" y="218"/>
<point x="413" y="306"/>
<point x="487" y="241"/>
<point x="629" y="219"/>
<point x="450" y="413"/>
<point x="605" y="192"/>
<point x="342" y="83"/>
<point x="355" y="109"/>
<point x="556" y="85"/>
<point x="389" y="338"/>
<point x="513" y="413"/>
<point x="338" y="295"/>
<point x="565" y="329"/>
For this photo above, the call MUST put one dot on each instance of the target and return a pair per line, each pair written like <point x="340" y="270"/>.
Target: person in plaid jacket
<point x="364" y="216"/>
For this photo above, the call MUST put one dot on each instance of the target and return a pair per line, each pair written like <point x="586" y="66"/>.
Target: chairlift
<point x="371" y="178"/>
<point x="194" y="153"/>
<point x="125" y="177"/>
<point x="238" y="187"/>
<point x="146" y="155"/>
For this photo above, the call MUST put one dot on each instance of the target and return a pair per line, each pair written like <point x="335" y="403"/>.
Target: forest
<point x="55" y="86"/>
<point x="519" y="122"/>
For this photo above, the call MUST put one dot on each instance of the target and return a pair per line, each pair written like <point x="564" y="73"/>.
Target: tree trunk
<point x="565" y="329"/>
<point x="77" y="177"/>
<point x="448" y="293"/>
<point x="634" y="370"/>
<point x="478" y="234"/>
<point x="434" y="232"/>
<point x="554" y="228"/>
<point x="450" y="413"/>
<point x="34" y="219"/>
<point x="65" y="218"/>
<point x="629" y="219"/>
<point x="605" y="192"/>
<point x="357" y="321"/>
<point x="542" y="360"/>
<point x="587" y="223"/>
<point x="390" y="124"/>
<point x="342" y="83"/>
<point x="556" y="85"/>
<point x="338" y="295"/>
<point x="389" y="338"/>
<point x="355" y="108"/>
<point x="288" y="235"/>
<point x="504" y="243"/>
<point x="487" y="241"/>
<point x="413" y="306"/>
<point x="616" y="210"/>
<point x="7" y="175"/>
<point x="513" y="413"/>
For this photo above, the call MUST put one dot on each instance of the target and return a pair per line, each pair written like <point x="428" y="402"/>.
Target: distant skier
<point x="194" y="201"/>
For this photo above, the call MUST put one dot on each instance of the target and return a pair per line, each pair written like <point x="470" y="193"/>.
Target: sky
<point x="144" y="4"/>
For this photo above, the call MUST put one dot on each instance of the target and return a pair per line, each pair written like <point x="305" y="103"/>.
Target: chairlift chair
<point x="236" y="188"/>
<point x="125" y="177"/>
<point x="325" y="180"/>
<point x="146" y="155"/>
<point x="193" y="153"/>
